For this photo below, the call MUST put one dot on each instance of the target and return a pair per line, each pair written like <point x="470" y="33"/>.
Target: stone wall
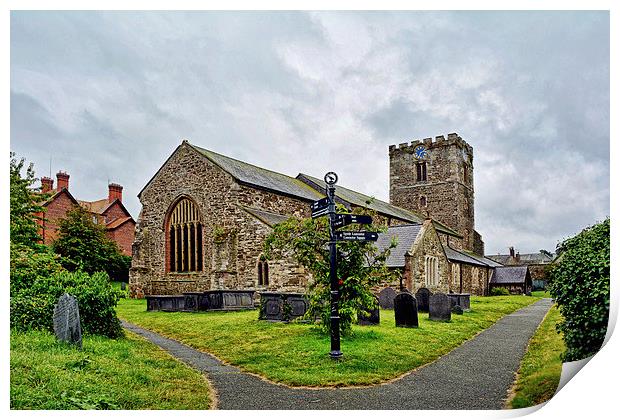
<point x="426" y="244"/>
<point x="448" y="191"/>
<point x="232" y="238"/>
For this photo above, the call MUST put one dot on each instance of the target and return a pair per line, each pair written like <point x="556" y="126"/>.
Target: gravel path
<point x="476" y="375"/>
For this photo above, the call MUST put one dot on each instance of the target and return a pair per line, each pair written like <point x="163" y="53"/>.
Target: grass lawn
<point x="128" y="374"/>
<point x="541" y="294"/>
<point x="539" y="374"/>
<point x="297" y="354"/>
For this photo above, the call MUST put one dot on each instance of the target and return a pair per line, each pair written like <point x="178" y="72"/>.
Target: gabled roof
<point x="119" y="222"/>
<point x="509" y="275"/>
<point x="260" y="177"/>
<point x="96" y="206"/>
<point x="267" y="217"/>
<point x="361" y="200"/>
<point x="56" y="194"/>
<point x="406" y="236"/>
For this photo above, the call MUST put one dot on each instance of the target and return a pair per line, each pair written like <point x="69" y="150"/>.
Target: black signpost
<point x="327" y="206"/>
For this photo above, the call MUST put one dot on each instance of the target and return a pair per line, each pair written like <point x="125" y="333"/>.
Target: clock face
<point x="420" y="152"/>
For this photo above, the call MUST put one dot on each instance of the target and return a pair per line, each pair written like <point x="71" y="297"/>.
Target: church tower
<point x="435" y="178"/>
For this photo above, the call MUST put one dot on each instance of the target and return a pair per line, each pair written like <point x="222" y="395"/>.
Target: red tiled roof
<point x="117" y="222"/>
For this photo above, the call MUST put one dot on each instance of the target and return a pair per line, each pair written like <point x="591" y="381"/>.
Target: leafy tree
<point x="579" y="283"/>
<point x="84" y="245"/>
<point x="25" y="203"/>
<point x="360" y="266"/>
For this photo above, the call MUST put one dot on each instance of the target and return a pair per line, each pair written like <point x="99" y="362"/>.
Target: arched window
<point x="263" y="273"/>
<point x="185" y="238"/>
<point x="420" y="171"/>
<point x="431" y="270"/>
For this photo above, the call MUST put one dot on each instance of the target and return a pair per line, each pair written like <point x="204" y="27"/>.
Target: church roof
<point x="261" y="177"/>
<point x="266" y="217"/>
<point x="509" y="275"/>
<point x="361" y="200"/>
<point x="406" y="236"/>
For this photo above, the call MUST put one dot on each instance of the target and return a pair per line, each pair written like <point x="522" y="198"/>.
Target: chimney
<point x="47" y="184"/>
<point x="115" y="191"/>
<point x="512" y="251"/>
<point x="62" y="180"/>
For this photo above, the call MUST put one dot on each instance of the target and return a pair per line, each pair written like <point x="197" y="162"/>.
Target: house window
<point x="263" y="273"/>
<point x="185" y="238"/>
<point x="431" y="270"/>
<point x="421" y="171"/>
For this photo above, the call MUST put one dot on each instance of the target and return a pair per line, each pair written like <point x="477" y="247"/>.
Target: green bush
<point x="579" y="283"/>
<point x="499" y="291"/>
<point x="33" y="307"/>
<point x="28" y="264"/>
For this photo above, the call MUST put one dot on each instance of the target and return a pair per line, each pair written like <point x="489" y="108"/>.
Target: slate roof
<point x="406" y="235"/>
<point x="260" y="177"/>
<point x="462" y="257"/>
<point x="509" y="275"/>
<point x="361" y="200"/>
<point x="266" y="217"/>
<point x="533" y="258"/>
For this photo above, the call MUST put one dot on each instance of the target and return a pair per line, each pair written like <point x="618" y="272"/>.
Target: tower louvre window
<point x="185" y="238"/>
<point x="421" y="171"/>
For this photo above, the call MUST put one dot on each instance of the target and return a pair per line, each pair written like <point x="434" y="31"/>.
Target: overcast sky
<point x="108" y="96"/>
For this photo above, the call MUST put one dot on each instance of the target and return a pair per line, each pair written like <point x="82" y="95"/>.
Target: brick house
<point x="205" y="216"/>
<point x="109" y="212"/>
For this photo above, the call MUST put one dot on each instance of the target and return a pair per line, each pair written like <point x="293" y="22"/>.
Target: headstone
<point x="456" y="309"/>
<point x="405" y="310"/>
<point x="439" y="307"/>
<point x="67" y="325"/>
<point x="422" y="296"/>
<point x="461" y="299"/>
<point x="372" y="318"/>
<point x="123" y="286"/>
<point x="386" y="298"/>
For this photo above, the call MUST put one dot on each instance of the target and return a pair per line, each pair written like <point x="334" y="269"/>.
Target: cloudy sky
<point x="108" y="96"/>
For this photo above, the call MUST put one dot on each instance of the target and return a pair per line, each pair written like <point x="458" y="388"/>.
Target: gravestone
<point x="373" y="315"/>
<point x="406" y="310"/>
<point x="439" y="307"/>
<point x="456" y="309"/>
<point x="461" y="299"/>
<point x="422" y="296"/>
<point x="123" y="286"/>
<point x="67" y="325"/>
<point x="386" y="298"/>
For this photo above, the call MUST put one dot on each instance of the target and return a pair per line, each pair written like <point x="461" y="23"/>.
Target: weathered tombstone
<point x="373" y="315"/>
<point x="67" y="325"/>
<point x="123" y="286"/>
<point x="456" y="309"/>
<point x="461" y="299"/>
<point x="422" y="296"/>
<point x="439" y="307"/>
<point x="405" y="310"/>
<point x="386" y="298"/>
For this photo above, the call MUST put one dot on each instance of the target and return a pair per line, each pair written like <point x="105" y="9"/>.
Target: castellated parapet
<point x="437" y="181"/>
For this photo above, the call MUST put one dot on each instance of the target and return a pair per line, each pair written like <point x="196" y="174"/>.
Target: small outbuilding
<point x="516" y="279"/>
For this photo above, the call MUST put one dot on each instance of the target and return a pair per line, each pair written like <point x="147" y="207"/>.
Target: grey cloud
<point x="111" y="94"/>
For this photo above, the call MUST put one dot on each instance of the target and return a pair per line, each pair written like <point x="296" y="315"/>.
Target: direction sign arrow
<point x="320" y="212"/>
<point x="356" y="236"/>
<point x="347" y="219"/>
<point x="319" y="204"/>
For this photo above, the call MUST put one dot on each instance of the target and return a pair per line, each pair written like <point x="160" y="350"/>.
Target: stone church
<point x="205" y="216"/>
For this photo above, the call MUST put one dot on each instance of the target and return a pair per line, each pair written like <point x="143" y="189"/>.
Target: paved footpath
<point x="475" y="375"/>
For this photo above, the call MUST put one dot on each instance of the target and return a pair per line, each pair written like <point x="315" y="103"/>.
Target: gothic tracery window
<point x="185" y="238"/>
